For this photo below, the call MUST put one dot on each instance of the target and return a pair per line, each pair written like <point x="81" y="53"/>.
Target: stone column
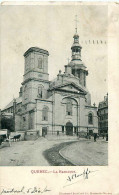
<point x="76" y="73"/>
<point x="82" y="77"/>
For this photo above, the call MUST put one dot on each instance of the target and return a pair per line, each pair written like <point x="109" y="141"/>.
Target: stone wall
<point x="31" y="135"/>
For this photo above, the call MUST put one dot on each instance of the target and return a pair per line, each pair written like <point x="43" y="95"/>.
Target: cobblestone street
<point x="31" y="153"/>
<point x="87" y="152"/>
<point x="27" y="153"/>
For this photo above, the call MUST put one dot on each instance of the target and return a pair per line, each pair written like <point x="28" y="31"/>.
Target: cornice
<point x="30" y="79"/>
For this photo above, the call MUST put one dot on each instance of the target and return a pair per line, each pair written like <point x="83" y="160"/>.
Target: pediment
<point x="72" y="87"/>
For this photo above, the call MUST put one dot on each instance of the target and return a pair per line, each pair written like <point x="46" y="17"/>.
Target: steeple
<point x="76" y="23"/>
<point x="76" y="47"/>
<point x="76" y="66"/>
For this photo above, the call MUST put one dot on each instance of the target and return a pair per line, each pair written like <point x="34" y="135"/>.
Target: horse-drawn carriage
<point x="16" y="137"/>
<point x="5" y="138"/>
<point x="3" y="135"/>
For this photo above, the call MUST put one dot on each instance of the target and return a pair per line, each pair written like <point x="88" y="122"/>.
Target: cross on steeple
<point x="76" y="20"/>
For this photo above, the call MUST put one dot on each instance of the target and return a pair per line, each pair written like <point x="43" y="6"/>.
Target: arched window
<point x="45" y="114"/>
<point x="40" y="91"/>
<point x="40" y="63"/>
<point x="90" y="118"/>
<point x="69" y="107"/>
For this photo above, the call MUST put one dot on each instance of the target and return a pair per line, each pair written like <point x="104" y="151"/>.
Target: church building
<point x="62" y="105"/>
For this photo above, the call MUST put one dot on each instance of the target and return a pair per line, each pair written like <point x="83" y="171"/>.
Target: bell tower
<point x="76" y="48"/>
<point x="78" y="69"/>
<point x="36" y="60"/>
<point x="36" y="77"/>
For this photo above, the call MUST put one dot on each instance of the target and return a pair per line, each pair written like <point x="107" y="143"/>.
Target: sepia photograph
<point x="54" y="85"/>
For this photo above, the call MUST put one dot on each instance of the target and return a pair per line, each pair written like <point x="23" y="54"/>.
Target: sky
<point x="52" y="27"/>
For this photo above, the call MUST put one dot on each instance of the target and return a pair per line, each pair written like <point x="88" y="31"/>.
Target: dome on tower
<point x="76" y="35"/>
<point x="76" y="45"/>
<point x="79" y="63"/>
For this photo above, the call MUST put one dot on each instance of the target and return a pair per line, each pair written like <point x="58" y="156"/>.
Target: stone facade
<point x="59" y="106"/>
<point x="103" y="116"/>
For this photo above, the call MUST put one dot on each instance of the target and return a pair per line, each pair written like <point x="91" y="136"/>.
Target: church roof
<point x="18" y="100"/>
<point x="36" y="49"/>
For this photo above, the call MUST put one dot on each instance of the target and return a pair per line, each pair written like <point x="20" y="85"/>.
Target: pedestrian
<point x="78" y="136"/>
<point x="8" y="133"/>
<point x="77" y="133"/>
<point x="103" y="135"/>
<point x="8" y="141"/>
<point x="107" y="137"/>
<point x="95" y="136"/>
<point x="1" y="139"/>
<point x="44" y="134"/>
<point x="87" y="135"/>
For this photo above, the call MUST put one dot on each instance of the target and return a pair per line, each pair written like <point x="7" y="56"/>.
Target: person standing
<point x="103" y="135"/>
<point x="95" y="136"/>
<point x="44" y="134"/>
<point x="107" y="137"/>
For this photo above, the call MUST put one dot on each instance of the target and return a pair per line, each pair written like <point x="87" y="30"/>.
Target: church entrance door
<point x="69" y="128"/>
<point x="44" y="131"/>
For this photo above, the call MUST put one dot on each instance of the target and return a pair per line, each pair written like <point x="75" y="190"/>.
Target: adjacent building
<point x="103" y="116"/>
<point x="62" y="105"/>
